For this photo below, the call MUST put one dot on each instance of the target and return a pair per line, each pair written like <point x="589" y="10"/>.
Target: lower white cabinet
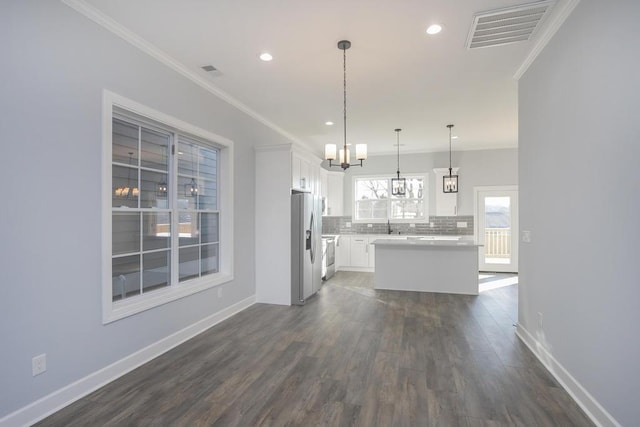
<point x="355" y="252"/>
<point x="359" y="251"/>
<point x="371" y="248"/>
<point x="343" y="251"/>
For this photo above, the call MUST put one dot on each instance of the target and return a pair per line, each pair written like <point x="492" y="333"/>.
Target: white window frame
<point x="115" y="310"/>
<point x="425" y="196"/>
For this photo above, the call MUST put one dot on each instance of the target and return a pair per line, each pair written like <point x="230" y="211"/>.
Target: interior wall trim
<point x="126" y="34"/>
<point x="57" y="400"/>
<point x="545" y="36"/>
<point x="594" y="410"/>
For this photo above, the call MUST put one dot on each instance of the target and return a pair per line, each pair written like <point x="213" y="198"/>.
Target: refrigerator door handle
<point x="312" y="243"/>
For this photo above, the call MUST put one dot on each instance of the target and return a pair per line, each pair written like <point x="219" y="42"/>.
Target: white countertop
<point x="424" y="242"/>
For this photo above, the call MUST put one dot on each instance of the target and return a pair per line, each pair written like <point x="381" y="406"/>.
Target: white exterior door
<point x="497" y="228"/>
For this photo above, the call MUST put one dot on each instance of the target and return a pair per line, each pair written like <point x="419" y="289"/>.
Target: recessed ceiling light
<point x="434" y="29"/>
<point x="328" y="123"/>
<point x="266" y="57"/>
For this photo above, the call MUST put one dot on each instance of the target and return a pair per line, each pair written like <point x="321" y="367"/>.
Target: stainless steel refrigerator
<point x="306" y="246"/>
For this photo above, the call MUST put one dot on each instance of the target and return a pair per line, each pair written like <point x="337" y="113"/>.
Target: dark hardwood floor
<point x="351" y="356"/>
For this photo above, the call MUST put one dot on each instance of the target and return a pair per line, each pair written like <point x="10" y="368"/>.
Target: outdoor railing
<point x="497" y="242"/>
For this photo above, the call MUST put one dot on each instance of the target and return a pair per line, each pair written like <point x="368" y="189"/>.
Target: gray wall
<point x="477" y="168"/>
<point x="55" y="65"/>
<point x="580" y="198"/>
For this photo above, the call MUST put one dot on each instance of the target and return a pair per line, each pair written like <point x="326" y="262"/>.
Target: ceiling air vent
<point x="510" y="25"/>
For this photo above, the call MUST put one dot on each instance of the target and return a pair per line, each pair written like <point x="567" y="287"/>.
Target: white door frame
<point x="476" y="220"/>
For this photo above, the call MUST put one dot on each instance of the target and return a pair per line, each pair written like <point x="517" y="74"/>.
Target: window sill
<point x="134" y="305"/>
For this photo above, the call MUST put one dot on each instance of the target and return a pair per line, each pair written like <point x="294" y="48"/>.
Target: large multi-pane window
<point x="374" y="202"/>
<point x="165" y="212"/>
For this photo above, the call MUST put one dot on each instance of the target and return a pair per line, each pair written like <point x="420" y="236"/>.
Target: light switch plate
<point x="526" y="236"/>
<point x="39" y="364"/>
<point x="348" y="225"/>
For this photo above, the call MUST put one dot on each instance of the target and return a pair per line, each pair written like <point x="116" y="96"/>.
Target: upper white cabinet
<point x="335" y="190"/>
<point x="446" y="203"/>
<point x="323" y="182"/>
<point x="301" y="178"/>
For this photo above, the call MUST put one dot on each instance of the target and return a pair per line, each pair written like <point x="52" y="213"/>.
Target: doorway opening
<point x="497" y="228"/>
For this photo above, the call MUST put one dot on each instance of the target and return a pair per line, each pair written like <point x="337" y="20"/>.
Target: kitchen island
<point x="426" y="265"/>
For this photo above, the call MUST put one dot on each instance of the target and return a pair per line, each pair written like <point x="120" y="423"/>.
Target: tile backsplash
<point x="442" y="225"/>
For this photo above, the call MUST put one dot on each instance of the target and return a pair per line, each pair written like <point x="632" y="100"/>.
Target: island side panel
<point x="444" y="269"/>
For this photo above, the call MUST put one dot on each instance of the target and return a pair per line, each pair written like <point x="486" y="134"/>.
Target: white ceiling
<point x="397" y="75"/>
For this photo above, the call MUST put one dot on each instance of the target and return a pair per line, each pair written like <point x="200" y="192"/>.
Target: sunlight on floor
<point x="495" y="284"/>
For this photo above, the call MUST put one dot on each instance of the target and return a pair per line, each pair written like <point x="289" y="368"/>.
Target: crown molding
<point x="129" y="36"/>
<point x="545" y="36"/>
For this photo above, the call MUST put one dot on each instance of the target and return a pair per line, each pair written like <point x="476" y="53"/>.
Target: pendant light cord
<point x="398" y="144"/>
<point x="344" y="87"/>
<point x="450" y="126"/>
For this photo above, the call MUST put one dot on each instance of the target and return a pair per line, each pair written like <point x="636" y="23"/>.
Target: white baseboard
<point x="57" y="400"/>
<point x="359" y="269"/>
<point x="588" y="403"/>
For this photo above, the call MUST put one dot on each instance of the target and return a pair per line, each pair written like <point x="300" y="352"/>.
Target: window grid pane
<point x="209" y="259"/>
<point x="189" y="263"/>
<point x="156" y="271"/>
<point x="125" y="277"/>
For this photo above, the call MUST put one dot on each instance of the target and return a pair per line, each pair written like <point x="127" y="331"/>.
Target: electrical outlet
<point x="461" y="224"/>
<point x="540" y="321"/>
<point x="412" y="225"/>
<point x="369" y="225"/>
<point x="39" y="364"/>
<point x="348" y="225"/>
<point x="431" y="225"/>
<point x="220" y="292"/>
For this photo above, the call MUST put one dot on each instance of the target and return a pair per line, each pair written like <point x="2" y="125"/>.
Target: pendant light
<point x="398" y="185"/>
<point x="450" y="182"/>
<point x="161" y="188"/>
<point x="191" y="189"/>
<point x="330" y="149"/>
<point x="127" y="191"/>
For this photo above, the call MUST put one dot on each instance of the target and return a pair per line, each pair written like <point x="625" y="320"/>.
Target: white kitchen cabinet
<point x="314" y="179"/>
<point x="371" y="249"/>
<point x="343" y="251"/>
<point x="359" y="251"/>
<point x="335" y="191"/>
<point x="324" y="174"/>
<point x="446" y="203"/>
<point x="300" y="173"/>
